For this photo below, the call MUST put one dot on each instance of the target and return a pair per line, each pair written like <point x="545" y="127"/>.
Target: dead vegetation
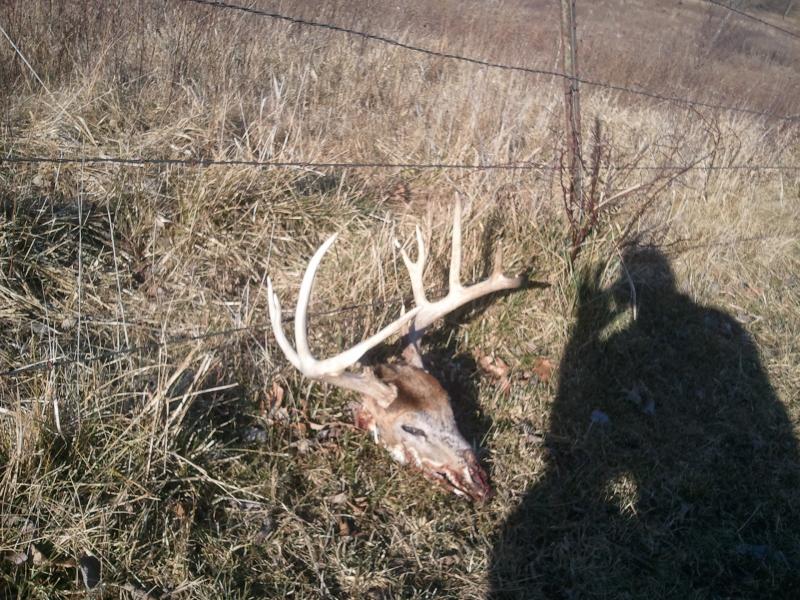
<point x="206" y="468"/>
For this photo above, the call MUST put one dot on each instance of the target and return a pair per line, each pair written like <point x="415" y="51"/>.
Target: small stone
<point x="254" y="435"/>
<point x="600" y="418"/>
<point x="18" y="558"/>
<point x="89" y="566"/>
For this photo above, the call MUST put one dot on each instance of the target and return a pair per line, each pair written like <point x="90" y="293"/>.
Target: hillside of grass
<point x="155" y="443"/>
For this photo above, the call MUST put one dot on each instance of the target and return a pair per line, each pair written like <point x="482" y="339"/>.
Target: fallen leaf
<point x="347" y="526"/>
<point x="449" y="560"/>
<point x="180" y="510"/>
<point x="275" y="396"/>
<point x="154" y="291"/>
<point x="543" y="369"/>
<point x="494" y="366"/>
<point x="302" y="446"/>
<point x="280" y="415"/>
<point x="340" y="498"/>
<point x="38" y="556"/>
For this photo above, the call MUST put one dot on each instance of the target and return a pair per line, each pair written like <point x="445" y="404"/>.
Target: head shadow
<point x="670" y="463"/>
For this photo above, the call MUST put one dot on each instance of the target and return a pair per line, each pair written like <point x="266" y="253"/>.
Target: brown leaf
<point x="340" y="498"/>
<point x="154" y="291"/>
<point x="347" y="526"/>
<point x="543" y="369"/>
<point x="38" y="556"/>
<point x="494" y="366"/>
<point x="180" y="510"/>
<point x="449" y="560"/>
<point x="302" y="446"/>
<point x="276" y="395"/>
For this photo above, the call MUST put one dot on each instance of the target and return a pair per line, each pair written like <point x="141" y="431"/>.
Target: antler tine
<point x="458" y="295"/>
<point x="274" y="306"/>
<point x="330" y="369"/>
<point x="415" y="268"/>
<point x="301" y="311"/>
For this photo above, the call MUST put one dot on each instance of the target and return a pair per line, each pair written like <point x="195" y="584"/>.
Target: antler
<point x="331" y="369"/>
<point x="457" y="294"/>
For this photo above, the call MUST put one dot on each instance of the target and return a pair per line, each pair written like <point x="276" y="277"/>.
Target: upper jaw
<point x="470" y="481"/>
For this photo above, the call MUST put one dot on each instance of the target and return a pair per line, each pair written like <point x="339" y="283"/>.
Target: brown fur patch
<point x="417" y="390"/>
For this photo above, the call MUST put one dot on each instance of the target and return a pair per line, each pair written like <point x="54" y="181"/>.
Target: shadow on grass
<point x="671" y="466"/>
<point x="458" y="372"/>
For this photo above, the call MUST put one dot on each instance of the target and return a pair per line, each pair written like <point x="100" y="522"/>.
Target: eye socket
<point x="413" y="430"/>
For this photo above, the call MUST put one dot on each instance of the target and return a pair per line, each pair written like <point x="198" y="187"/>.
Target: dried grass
<point x="175" y="465"/>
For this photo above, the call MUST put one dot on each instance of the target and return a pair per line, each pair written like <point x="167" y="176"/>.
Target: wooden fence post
<point x="572" y="105"/>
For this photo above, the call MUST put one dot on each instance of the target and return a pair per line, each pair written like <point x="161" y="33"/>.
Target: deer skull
<point x="404" y="407"/>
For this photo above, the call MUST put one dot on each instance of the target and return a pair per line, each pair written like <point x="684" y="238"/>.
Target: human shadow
<point x="671" y="468"/>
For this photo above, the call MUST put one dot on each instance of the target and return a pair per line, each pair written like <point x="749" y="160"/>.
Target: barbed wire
<point x="494" y="65"/>
<point x="183" y="338"/>
<point x="303" y="164"/>
<point x="51" y="364"/>
<point x="207" y="162"/>
<point x="754" y="18"/>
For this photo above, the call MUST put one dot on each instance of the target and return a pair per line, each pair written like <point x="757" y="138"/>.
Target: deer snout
<point x="477" y="486"/>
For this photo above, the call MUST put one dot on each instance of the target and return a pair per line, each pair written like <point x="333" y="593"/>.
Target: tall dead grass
<point x="208" y="468"/>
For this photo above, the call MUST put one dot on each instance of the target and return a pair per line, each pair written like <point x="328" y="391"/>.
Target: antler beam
<point x="457" y="294"/>
<point x="330" y="369"/>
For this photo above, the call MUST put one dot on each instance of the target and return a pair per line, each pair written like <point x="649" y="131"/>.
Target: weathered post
<point x="572" y="106"/>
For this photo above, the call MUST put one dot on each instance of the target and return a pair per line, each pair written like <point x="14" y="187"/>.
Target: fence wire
<point x="494" y="65"/>
<point x="184" y="338"/>
<point x="302" y="164"/>
<point x="51" y="364"/>
<point x="754" y="18"/>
